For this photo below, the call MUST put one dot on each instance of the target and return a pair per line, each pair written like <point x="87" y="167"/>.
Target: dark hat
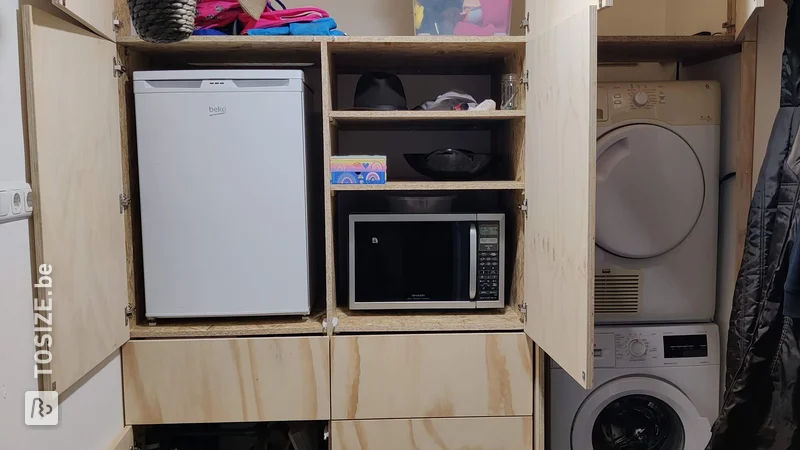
<point x="381" y="91"/>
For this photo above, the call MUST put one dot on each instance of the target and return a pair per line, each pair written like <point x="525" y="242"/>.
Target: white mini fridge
<point x="222" y="184"/>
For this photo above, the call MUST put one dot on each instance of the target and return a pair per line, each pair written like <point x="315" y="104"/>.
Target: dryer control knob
<point x="640" y="98"/>
<point x="637" y="348"/>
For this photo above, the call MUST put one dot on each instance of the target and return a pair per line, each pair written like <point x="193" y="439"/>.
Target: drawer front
<point x="474" y="433"/>
<point x="226" y="380"/>
<point x="431" y="375"/>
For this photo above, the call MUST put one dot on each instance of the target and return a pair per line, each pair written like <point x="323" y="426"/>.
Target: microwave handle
<point x="473" y="261"/>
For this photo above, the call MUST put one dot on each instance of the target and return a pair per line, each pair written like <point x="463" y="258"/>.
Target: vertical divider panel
<point x="539" y="399"/>
<point x="328" y="136"/>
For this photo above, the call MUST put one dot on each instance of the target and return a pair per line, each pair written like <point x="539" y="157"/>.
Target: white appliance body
<point x="222" y="181"/>
<point x="654" y="383"/>
<point x="657" y="200"/>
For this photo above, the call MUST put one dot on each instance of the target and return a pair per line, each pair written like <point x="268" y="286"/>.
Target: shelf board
<point x="227" y="43"/>
<point x="688" y="49"/>
<point x="355" y="117"/>
<point x="433" y="186"/>
<point x="200" y="328"/>
<point x="427" y="321"/>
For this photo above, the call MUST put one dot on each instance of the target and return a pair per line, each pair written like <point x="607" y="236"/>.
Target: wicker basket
<point x="163" y="21"/>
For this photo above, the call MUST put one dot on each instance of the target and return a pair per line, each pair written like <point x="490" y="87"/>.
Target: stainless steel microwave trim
<point x="473" y="261"/>
<point x="480" y="304"/>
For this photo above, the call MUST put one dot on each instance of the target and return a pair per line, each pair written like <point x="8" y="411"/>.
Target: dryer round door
<point x="639" y="413"/>
<point x="650" y="191"/>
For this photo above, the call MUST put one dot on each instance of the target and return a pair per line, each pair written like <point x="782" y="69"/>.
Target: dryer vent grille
<point x="617" y="291"/>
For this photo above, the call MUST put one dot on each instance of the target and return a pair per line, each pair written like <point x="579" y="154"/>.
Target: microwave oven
<point x="426" y="261"/>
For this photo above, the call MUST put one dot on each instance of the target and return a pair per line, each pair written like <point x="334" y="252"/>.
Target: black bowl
<point x="451" y="164"/>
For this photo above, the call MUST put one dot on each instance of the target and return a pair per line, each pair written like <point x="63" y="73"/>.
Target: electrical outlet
<point x="16" y="201"/>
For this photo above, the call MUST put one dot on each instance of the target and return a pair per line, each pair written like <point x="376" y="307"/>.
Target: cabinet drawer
<point x="474" y="433"/>
<point x="431" y="375"/>
<point x="226" y="380"/>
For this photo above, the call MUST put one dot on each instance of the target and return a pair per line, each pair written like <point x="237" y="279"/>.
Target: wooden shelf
<point x="227" y="43"/>
<point x="266" y="326"/>
<point x="354" y="117"/>
<point x="427" y="321"/>
<point x="688" y="49"/>
<point x="433" y="186"/>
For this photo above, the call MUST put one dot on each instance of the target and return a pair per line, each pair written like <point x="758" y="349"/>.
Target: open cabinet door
<point x="76" y="174"/>
<point x="561" y="61"/>
<point x="97" y="15"/>
<point x="745" y="14"/>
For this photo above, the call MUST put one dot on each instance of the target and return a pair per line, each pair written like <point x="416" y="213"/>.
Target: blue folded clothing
<point x="209" y="32"/>
<point x="319" y="27"/>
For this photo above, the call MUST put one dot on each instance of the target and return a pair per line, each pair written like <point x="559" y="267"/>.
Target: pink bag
<point x="216" y="13"/>
<point x="271" y="19"/>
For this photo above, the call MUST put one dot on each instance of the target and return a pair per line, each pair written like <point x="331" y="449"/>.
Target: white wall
<point x="91" y="415"/>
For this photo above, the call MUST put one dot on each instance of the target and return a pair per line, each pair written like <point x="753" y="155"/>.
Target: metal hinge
<point x="129" y="313"/>
<point x="327" y="433"/>
<point x="526" y="22"/>
<point x="124" y="202"/>
<point x="523" y="309"/>
<point x="119" y="69"/>
<point x="116" y="23"/>
<point x="523" y="80"/>
<point x="524" y="207"/>
<point x="603" y="4"/>
<point x="728" y="24"/>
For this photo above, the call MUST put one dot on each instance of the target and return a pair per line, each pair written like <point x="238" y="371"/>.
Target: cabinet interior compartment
<point x="158" y="58"/>
<point x="233" y="436"/>
<point x="387" y="321"/>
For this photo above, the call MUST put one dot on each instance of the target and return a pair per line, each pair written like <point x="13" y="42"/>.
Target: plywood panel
<point x="431" y="375"/>
<point x="124" y="441"/>
<point x="745" y="11"/>
<point x="97" y="15"/>
<point x="75" y="161"/>
<point x="484" y="433"/>
<point x="226" y="380"/>
<point x="507" y="319"/>
<point x="560" y="182"/>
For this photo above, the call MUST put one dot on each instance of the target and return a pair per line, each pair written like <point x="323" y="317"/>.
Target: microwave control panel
<point x="488" y="260"/>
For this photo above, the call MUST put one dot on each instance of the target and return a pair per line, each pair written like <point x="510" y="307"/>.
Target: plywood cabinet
<point x="425" y="375"/>
<point x="374" y="374"/>
<point x="226" y="380"/>
<point x="485" y="433"/>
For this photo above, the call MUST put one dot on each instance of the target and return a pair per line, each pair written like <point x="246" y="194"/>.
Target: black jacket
<point x="761" y="408"/>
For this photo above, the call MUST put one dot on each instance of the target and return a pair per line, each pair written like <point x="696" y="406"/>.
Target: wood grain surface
<point x="226" y="380"/>
<point x="431" y="375"/>
<point x="432" y="186"/>
<point x="560" y="182"/>
<point x="507" y="319"/>
<point x="76" y="175"/>
<point x="479" y="433"/>
<point x="124" y="441"/>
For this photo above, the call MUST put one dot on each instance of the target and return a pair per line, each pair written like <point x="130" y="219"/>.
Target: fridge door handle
<point x="473" y="261"/>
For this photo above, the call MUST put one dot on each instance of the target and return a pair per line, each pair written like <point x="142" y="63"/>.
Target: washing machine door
<point x="639" y="413"/>
<point x="650" y="191"/>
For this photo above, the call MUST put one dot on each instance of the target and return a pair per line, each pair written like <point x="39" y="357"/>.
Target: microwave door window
<point x="412" y="261"/>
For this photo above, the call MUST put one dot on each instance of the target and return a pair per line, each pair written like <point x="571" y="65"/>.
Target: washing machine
<point x="656" y="387"/>
<point x="657" y="194"/>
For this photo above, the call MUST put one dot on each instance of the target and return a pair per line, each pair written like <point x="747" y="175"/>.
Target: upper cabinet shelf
<point x="688" y="49"/>
<point x="416" y="116"/>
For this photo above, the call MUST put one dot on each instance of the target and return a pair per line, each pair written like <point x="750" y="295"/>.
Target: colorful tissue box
<point x="358" y="169"/>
